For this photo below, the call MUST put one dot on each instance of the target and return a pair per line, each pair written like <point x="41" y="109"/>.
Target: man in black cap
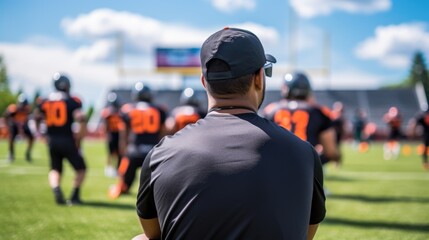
<point x="232" y="174"/>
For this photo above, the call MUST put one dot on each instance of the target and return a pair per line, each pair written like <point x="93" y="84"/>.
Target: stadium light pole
<point x="293" y="43"/>
<point x="326" y="58"/>
<point x="292" y="37"/>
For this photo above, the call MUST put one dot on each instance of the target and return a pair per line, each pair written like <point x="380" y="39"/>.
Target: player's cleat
<point x="11" y="158"/>
<point x="426" y="166"/>
<point x="115" y="191"/>
<point x="74" y="202"/>
<point x="28" y="156"/>
<point x="59" y="197"/>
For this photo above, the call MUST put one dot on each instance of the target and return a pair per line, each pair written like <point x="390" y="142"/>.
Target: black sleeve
<point x="325" y="120"/>
<point x="163" y="115"/>
<point x="145" y="200"/>
<point x="318" y="209"/>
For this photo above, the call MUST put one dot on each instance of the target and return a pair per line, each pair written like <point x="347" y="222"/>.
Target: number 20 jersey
<point x="145" y="122"/>
<point x="305" y="120"/>
<point x="58" y="111"/>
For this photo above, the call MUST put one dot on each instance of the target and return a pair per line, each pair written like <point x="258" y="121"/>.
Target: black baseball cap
<point x="240" y="49"/>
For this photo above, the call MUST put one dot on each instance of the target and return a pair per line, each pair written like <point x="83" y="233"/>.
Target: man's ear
<point x="203" y="81"/>
<point x="259" y="79"/>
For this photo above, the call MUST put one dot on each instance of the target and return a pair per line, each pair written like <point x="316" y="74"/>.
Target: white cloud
<point x="267" y="35"/>
<point x="394" y="45"/>
<point x="140" y="35"/>
<point x="99" y="51"/>
<point x="31" y="67"/>
<point x="233" y="5"/>
<point x="31" y="64"/>
<point x="313" y="8"/>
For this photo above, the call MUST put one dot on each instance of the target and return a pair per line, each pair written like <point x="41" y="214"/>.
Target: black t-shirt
<point x="304" y="120"/>
<point x="58" y="111"/>
<point x="232" y="177"/>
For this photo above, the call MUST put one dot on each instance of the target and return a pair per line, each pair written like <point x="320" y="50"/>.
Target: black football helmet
<point x="113" y="100"/>
<point x="22" y="100"/>
<point x="141" y="92"/>
<point x="189" y="97"/>
<point x="61" y="82"/>
<point x="297" y="86"/>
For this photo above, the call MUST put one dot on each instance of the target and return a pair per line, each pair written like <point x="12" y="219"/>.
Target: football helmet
<point x="112" y="100"/>
<point x="141" y="92"/>
<point x="189" y="97"/>
<point x="61" y="82"/>
<point x="22" y="100"/>
<point x="296" y="86"/>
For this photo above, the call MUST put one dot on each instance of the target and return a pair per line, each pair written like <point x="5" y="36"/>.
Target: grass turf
<point x="370" y="198"/>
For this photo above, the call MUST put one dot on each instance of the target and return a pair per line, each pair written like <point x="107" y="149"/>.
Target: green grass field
<point x="370" y="198"/>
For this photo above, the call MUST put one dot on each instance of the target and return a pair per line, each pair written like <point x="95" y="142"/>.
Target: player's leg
<point x="30" y="140"/>
<point x="78" y="163"/>
<point x="54" y="176"/>
<point x="116" y="190"/>
<point x="130" y="175"/>
<point x="397" y="144"/>
<point x="113" y="142"/>
<point x="388" y="149"/>
<point x="127" y="172"/>
<point x="338" y="140"/>
<point x="425" y="162"/>
<point x="13" y="132"/>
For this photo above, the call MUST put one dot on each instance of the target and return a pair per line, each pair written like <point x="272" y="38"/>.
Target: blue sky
<point x="371" y="41"/>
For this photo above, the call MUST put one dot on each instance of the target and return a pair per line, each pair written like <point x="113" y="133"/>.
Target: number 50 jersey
<point x="303" y="119"/>
<point x="58" y="110"/>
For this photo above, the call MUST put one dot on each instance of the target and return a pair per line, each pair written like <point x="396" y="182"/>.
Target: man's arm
<point x="330" y="148"/>
<point x="151" y="229"/>
<point x="312" y="229"/>
<point x="80" y="117"/>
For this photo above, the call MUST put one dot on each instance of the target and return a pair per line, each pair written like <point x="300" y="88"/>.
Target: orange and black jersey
<point x="144" y="121"/>
<point x="17" y="115"/>
<point x="112" y="118"/>
<point x="422" y="119"/>
<point x="184" y="115"/>
<point x="305" y="120"/>
<point x="58" y="110"/>
<point x="394" y="122"/>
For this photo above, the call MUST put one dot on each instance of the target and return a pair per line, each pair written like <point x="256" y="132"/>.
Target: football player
<point x="186" y="113"/>
<point x="59" y="111"/>
<point x="145" y="126"/>
<point x="392" y="147"/>
<point x="421" y="120"/>
<point x="298" y="113"/>
<point x="112" y="123"/>
<point x="17" y="117"/>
